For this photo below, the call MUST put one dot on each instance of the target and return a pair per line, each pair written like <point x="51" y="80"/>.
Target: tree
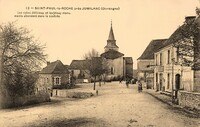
<point x="22" y="56"/>
<point x="90" y="54"/>
<point x="96" y="65"/>
<point x="186" y="39"/>
<point x="187" y="42"/>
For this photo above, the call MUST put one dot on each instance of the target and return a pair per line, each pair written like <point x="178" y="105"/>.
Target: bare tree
<point x="22" y="56"/>
<point x="96" y="65"/>
<point x="90" y="54"/>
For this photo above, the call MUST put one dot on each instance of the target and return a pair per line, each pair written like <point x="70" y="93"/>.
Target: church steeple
<point x="111" y="42"/>
<point x="111" y="34"/>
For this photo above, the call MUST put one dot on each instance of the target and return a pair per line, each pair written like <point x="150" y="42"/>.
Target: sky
<point x="68" y="37"/>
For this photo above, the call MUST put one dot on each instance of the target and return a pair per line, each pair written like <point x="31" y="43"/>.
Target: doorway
<point x="161" y="81"/>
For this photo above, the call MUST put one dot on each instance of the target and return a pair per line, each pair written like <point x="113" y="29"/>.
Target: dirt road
<point x="115" y="106"/>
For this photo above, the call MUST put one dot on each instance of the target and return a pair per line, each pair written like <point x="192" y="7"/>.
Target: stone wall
<point x="189" y="99"/>
<point x="197" y="81"/>
<point x="117" y="64"/>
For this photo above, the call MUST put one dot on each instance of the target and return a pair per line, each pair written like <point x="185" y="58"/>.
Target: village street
<point x="115" y="106"/>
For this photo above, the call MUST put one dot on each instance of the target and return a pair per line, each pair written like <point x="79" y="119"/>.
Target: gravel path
<point x="115" y="106"/>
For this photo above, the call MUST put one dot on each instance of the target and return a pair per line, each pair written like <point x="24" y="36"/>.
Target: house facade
<point x="79" y="70"/>
<point x="145" y="63"/>
<point x="170" y="72"/>
<point x="129" y="66"/>
<point x="54" y="75"/>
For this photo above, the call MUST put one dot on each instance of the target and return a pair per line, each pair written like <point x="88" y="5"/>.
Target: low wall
<point x="72" y="94"/>
<point x="189" y="99"/>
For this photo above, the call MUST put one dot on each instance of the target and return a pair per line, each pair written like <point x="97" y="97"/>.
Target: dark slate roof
<point x="79" y="64"/>
<point x="153" y="46"/>
<point x="112" y="54"/>
<point x="111" y="45"/>
<point x="56" y="67"/>
<point x="111" y="34"/>
<point x="128" y="60"/>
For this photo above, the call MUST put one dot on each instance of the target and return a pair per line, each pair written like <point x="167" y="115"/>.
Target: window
<point x="112" y="70"/>
<point x="168" y="57"/>
<point x="156" y="77"/>
<point x="168" y="80"/>
<point x="156" y="59"/>
<point x="57" y="80"/>
<point x="47" y="80"/>
<point x="160" y="58"/>
<point x="177" y="54"/>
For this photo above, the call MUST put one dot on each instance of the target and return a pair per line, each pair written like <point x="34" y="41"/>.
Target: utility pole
<point x="173" y="62"/>
<point x="173" y="79"/>
<point x="1" y="76"/>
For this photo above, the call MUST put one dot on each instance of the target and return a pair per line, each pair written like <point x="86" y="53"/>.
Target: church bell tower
<point x="111" y="42"/>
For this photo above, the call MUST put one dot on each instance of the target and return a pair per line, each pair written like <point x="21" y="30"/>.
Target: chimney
<point x="48" y="62"/>
<point x="197" y="11"/>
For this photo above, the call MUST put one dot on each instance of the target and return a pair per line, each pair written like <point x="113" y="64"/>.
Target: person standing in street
<point x="139" y="86"/>
<point x="127" y="83"/>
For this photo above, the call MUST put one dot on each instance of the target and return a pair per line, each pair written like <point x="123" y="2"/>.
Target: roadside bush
<point x="19" y="101"/>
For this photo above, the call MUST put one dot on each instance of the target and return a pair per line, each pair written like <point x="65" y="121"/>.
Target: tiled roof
<point x="55" y="67"/>
<point x="79" y="64"/>
<point x="153" y="46"/>
<point x="112" y="54"/>
<point x="128" y="60"/>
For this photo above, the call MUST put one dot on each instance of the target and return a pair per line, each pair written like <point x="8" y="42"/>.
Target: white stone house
<point x="170" y="73"/>
<point x="145" y="63"/>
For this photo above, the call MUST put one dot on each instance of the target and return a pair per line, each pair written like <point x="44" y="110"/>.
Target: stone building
<point x="54" y="75"/>
<point x="119" y="66"/>
<point x="170" y="73"/>
<point x="145" y="63"/>
<point x="79" y="70"/>
<point x="129" y="66"/>
<point x="173" y="73"/>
